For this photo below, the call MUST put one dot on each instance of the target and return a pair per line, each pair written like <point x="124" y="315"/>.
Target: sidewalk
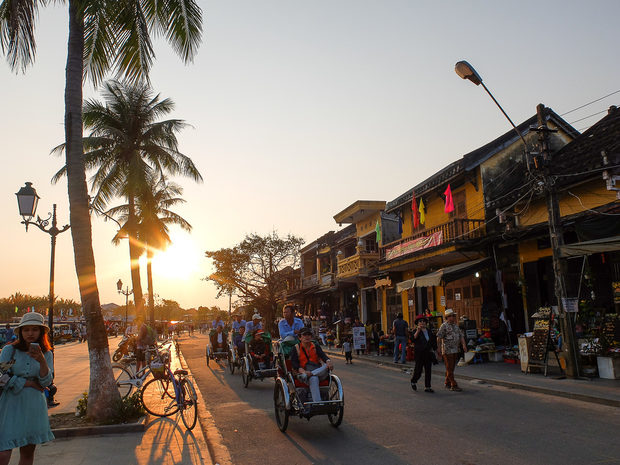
<point x="165" y="440"/>
<point x="599" y="391"/>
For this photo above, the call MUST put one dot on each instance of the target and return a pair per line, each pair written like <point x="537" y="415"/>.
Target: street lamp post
<point x="126" y="293"/>
<point x="466" y="71"/>
<point x="27" y="200"/>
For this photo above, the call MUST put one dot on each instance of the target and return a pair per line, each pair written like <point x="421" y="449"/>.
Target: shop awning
<point x="608" y="244"/>
<point x="450" y="273"/>
<point x="405" y="285"/>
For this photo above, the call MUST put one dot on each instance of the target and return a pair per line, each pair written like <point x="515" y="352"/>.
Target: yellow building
<point x="449" y="260"/>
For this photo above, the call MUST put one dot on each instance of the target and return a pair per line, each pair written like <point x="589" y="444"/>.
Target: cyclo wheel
<point x="157" y="399"/>
<point x="279" y="405"/>
<point x="245" y="371"/>
<point x="231" y="362"/>
<point x="334" y="394"/>
<point x="122" y="377"/>
<point x="189" y="407"/>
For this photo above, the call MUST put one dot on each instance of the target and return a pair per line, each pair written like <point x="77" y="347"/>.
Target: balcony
<point x="327" y="279"/>
<point x="356" y="264"/>
<point x="311" y="280"/>
<point x="452" y="232"/>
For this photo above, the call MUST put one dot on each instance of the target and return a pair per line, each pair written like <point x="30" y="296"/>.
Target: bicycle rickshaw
<point x="211" y="353"/>
<point x="235" y="360"/>
<point x="290" y="395"/>
<point x="248" y="370"/>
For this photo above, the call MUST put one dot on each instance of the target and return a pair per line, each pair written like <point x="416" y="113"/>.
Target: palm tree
<point x="154" y="214"/>
<point x="104" y="35"/>
<point x="129" y="149"/>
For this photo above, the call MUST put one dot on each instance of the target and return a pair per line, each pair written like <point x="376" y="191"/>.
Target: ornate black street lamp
<point x="126" y="293"/>
<point x="27" y="200"/>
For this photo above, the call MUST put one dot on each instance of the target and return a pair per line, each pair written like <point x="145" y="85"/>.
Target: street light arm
<point x="506" y="115"/>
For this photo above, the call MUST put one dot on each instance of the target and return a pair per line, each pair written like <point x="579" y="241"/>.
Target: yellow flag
<point x="421" y="209"/>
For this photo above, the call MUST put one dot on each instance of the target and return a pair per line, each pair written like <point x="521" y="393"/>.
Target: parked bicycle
<point x="126" y="379"/>
<point x="168" y="393"/>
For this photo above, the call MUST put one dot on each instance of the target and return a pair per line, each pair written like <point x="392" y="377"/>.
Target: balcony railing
<point x="356" y="264"/>
<point x="327" y="279"/>
<point x="310" y="281"/>
<point x="447" y="233"/>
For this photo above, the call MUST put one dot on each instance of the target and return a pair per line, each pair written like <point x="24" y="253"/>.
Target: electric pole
<point x="557" y="240"/>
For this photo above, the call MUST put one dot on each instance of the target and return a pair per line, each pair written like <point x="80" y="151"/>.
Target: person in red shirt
<point x="310" y="363"/>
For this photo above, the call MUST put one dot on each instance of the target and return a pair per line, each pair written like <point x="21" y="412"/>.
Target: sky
<point x="298" y="109"/>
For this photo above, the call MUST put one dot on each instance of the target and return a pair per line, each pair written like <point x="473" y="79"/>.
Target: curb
<point x="215" y="442"/>
<point x="77" y="431"/>
<point x="496" y="382"/>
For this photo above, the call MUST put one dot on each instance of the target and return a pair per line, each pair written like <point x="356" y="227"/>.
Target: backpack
<point x="151" y="335"/>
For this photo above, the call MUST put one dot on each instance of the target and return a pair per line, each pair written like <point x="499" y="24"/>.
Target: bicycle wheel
<point x="189" y="406"/>
<point x="123" y="378"/>
<point x="208" y="354"/>
<point x="279" y="403"/>
<point x="157" y="399"/>
<point x="231" y="363"/>
<point x="334" y="394"/>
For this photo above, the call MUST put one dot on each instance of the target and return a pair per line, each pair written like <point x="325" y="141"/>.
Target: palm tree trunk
<point x="102" y="393"/>
<point x="135" y="250"/>
<point x="149" y="278"/>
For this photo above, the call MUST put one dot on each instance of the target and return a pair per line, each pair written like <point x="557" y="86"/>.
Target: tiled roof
<point x="471" y="160"/>
<point x="583" y="155"/>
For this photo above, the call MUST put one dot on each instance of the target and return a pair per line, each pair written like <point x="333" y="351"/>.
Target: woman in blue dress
<point x="23" y="409"/>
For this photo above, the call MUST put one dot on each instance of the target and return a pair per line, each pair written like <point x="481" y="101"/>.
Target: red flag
<point x="449" y="203"/>
<point x="416" y="213"/>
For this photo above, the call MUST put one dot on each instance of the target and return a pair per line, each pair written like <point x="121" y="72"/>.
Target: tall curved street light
<point x="27" y="201"/>
<point x="467" y="71"/>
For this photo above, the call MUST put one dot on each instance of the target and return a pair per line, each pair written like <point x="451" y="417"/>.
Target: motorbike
<point x="126" y="346"/>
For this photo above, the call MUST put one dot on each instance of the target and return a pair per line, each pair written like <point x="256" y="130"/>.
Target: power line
<point x="608" y="167"/>
<point x="590" y="103"/>
<point x="590" y="210"/>
<point x="589" y="116"/>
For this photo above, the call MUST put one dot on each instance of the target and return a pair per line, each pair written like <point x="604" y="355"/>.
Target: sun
<point x="179" y="261"/>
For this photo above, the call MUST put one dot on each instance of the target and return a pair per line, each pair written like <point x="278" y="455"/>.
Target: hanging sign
<point x="442" y="300"/>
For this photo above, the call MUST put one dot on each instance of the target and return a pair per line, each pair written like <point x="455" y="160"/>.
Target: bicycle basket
<point x="159" y="370"/>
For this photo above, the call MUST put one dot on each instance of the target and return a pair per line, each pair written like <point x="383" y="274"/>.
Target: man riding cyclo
<point x="260" y="350"/>
<point x="219" y="339"/>
<point x="289" y="326"/>
<point x="310" y="363"/>
<point x="253" y="325"/>
<point x="238" y="323"/>
<point x="239" y="340"/>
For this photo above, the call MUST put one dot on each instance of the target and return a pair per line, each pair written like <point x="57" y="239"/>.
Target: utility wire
<point x="608" y="167"/>
<point x="590" y="103"/>
<point x="589" y="116"/>
<point x="590" y="210"/>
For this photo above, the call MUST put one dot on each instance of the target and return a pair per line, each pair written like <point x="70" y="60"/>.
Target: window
<point x="449" y="294"/>
<point x="466" y="292"/>
<point x="476" y="291"/>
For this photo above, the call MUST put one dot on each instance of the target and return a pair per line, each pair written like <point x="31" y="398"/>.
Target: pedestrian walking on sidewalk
<point x="450" y="338"/>
<point x="425" y="347"/>
<point x="400" y="329"/>
<point x="23" y="409"/>
<point x="347" y="348"/>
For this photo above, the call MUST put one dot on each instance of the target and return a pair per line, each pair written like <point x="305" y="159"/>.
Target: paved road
<point x="385" y="422"/>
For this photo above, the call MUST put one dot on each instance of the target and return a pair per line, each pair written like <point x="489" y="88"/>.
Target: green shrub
<point x="80" y="410"/>
<point x="126" y="409"/>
